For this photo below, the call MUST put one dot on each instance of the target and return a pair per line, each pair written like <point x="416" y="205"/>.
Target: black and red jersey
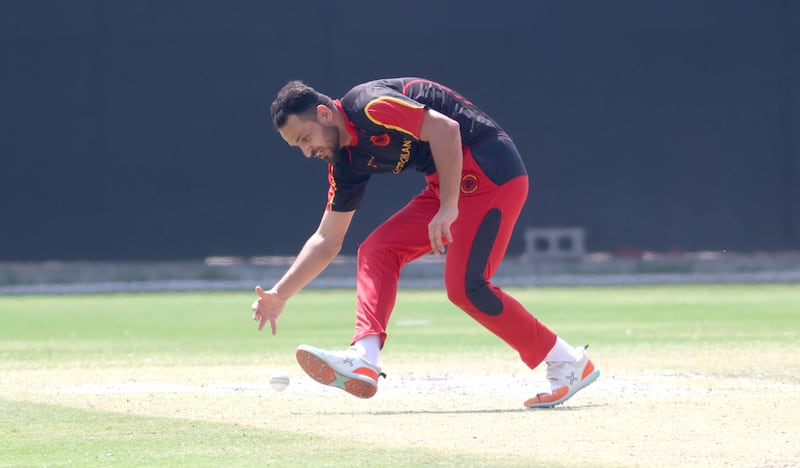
<point x="384" y="119"/>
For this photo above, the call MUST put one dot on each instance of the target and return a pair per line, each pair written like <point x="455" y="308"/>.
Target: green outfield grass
<point x="181" y="329"/>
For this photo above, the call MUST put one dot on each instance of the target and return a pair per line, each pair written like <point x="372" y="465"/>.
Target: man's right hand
<point x="267" y="307"/>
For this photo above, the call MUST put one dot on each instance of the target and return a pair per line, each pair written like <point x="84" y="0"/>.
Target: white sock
<point x="562" y="352"/>
<point x="369" y="348"/>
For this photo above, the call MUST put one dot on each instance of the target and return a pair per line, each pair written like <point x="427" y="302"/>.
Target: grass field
<point x="690" y="375"/>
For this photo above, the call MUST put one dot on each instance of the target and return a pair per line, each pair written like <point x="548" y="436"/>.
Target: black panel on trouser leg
<point x="477" y="288"/>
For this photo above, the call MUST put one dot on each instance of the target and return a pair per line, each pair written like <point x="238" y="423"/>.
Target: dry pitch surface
<point x="669" y="408"/>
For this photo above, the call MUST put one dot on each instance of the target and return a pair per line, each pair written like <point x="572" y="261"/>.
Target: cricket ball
<point x="279" y="381"/>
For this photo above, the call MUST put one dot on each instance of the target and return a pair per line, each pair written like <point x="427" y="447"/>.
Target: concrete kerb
<point x="232" y="273"/>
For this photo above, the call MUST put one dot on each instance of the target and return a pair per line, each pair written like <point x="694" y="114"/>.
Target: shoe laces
<point x="557" y="370"/>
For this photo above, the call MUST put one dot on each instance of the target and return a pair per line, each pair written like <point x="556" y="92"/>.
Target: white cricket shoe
<point x="566" y="378"/>
<point x="346" y="369"/>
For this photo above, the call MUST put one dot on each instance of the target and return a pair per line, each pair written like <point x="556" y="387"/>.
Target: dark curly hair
<point x="297" y="98"/>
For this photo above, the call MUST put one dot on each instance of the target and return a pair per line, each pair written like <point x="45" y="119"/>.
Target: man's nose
<point x="306" y="151"/>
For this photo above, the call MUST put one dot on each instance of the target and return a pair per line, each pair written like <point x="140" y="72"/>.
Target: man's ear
<point x="324" y="113"/>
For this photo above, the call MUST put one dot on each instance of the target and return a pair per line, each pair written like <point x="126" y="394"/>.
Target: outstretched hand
<point x="267" y="308"/>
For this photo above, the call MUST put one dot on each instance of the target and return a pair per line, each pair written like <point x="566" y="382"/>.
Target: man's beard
<point x="330" y="152"/>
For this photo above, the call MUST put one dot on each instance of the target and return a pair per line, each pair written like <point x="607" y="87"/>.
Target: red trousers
<point x="487" y="214"/>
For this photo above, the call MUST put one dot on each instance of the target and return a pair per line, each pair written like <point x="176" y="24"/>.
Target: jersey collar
<point x="351" y="127"/>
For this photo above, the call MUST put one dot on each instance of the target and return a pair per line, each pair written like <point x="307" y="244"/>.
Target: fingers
<point x="263" y="316"/>
<point x="446" y="235"/>
<point x="256" y="313"/>
<point x="435" y="239"/>
<point x="439" y="237"/>
<point x="272" y="323"/>
<point x="439" y="231"/>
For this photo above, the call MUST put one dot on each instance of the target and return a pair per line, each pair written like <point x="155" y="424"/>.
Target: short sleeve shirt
<point x="384" y="118"/>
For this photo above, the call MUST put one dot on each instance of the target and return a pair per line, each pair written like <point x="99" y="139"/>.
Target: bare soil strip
<point x="638" y="413"/>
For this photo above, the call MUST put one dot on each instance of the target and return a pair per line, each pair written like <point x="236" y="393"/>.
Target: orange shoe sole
<point x="320" y="371"/>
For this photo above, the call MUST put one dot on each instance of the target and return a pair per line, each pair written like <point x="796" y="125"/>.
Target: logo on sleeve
<point x="380" y="140"/>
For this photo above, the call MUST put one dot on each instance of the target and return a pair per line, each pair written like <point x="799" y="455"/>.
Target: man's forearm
<point x="444" y="137"/>
<point x="449" y="161"/>
<point x="313" y="258"/>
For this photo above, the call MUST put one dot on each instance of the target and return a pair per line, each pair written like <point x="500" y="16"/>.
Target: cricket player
<point x="476" y="187"/>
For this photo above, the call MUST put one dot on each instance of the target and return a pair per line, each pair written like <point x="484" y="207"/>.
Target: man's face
<point x="313" y="137"/>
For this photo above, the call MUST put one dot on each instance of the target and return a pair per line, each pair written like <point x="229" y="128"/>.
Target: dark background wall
<point x="140" y="130"/>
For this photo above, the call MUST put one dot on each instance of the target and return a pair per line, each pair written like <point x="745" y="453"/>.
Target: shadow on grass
<point x="455" y="412"/>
